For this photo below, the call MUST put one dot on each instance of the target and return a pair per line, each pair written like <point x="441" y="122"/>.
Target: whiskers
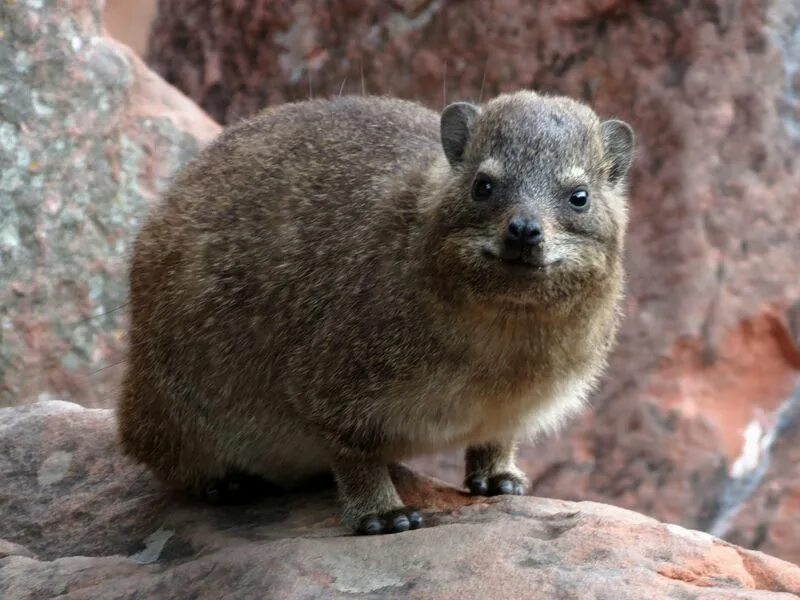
<point x="106" y="367"/>
<point x="363" y="85"/>
<point x="103" y="314"/>
<point x="483" y="79"/>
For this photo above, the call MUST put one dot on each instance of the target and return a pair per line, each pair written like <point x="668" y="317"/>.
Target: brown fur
<point x="319" y="290"/>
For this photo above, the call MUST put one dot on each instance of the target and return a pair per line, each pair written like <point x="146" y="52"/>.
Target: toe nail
<point x="400" y="524"/>
<point x="506" y="487"/>
<point x="414" y="519"/>
<point x="372" y="526"/>
<point x="478" y="486"/>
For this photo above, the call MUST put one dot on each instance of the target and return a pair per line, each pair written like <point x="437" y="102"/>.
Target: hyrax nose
<point x="524" y="231"/>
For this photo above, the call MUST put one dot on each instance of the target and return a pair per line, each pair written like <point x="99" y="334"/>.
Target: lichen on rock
<point x="88" y="139"/>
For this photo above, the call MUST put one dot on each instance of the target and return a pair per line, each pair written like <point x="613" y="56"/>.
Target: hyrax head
<point x="532" y="209"/>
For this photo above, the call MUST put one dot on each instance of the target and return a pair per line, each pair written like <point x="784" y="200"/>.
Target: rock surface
<point x="708" y="352"/>
<point x="80" y="521"/>
<point x="88" y="137"/>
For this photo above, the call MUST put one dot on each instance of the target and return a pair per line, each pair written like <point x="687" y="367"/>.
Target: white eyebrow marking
<point x="492" y="166"/>
<point x="575" y="174"/>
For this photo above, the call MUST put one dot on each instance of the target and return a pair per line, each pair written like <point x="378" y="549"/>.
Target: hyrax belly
<point x="290" y="459"/>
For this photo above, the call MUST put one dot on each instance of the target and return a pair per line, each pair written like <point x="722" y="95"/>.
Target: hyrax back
<point x="338" y="285"/>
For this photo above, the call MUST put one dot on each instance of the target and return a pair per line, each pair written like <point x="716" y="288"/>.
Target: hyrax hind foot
<point x="491" y="470"/>
<point x="237" y="487"/>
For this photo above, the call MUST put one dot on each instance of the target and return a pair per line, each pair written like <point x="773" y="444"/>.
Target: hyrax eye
<point x="579" y="200"/>
<point x="482" y="188"/>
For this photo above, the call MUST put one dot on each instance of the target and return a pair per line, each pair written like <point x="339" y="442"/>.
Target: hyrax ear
<point x="456" y="125"/>
<point x="618" y="147"/>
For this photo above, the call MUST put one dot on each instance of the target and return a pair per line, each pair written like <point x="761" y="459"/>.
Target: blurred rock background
<point x="129" y="21"/>
<point x="697" y="420"/>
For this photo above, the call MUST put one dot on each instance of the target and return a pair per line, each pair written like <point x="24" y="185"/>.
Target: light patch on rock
<point x="755" y="442"/>
<point x="22" y="62"/>
<point x="9" y="239"/>
<point x="10" y="181"/>
<point x="153" y="546"/>
<point x="46" y="404"/>
<point x="697" y="537"/>
<point x="353" y="581"/>
<point x="8" y="136"/>
<point x="296" y="42"/>
<point x="784" y="28"/>
<point x="54" y="468"/>
<point x="42" y="109"/>
<point x="356" y="573"/>
<point x="399" y="24"/>
<point x="71" y="362"/>
<point x="49" y="403"/>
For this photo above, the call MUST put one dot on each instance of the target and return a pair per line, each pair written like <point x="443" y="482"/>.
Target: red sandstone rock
<point x="80" y="522"/>
<point x="713" y="256"/>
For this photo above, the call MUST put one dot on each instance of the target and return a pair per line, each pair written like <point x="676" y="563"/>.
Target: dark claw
<point x="400" y="524"/>
<point x="396" y="521"/>
<point x="505" y="484"/>
<point x="371" y="525"/>
<point x="211" y="494"/>
<point x="478" y="486"/>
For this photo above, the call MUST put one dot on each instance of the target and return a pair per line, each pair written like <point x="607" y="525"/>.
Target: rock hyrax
<point x="338" y="285"/>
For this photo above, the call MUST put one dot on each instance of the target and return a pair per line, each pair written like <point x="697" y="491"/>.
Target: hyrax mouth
<point x="523" y="262"/>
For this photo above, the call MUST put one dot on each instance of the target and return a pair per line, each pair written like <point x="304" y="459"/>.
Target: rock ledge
<point x="81" y="521"/>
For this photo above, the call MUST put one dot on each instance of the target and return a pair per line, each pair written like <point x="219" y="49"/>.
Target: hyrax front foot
<point x="495" y="485"/>
<point x="491" y="470"/>
<point x="370" y="504"/>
